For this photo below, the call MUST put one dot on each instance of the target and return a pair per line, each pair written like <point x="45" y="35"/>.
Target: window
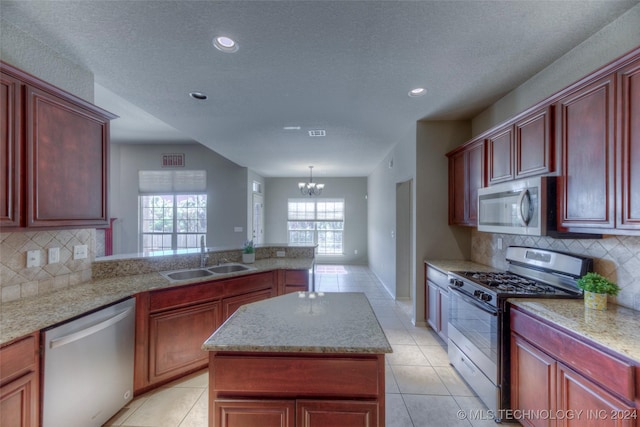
<point x="318" y="221"/>
<point x="173" y="209"/>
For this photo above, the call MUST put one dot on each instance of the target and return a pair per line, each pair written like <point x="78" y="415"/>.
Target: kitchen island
<point x="303" y="359"/>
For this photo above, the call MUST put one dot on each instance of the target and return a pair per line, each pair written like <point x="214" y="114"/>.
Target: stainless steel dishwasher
<point x="88" y="367"/>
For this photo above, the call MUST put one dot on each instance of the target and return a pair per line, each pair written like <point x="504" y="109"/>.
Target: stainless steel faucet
<point x="203" y="255"/>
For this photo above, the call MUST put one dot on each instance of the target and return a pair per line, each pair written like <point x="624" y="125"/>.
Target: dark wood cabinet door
<point x="20" y="383"/>
<point x="254" y="413"/>
<point x="176" y="337"/>
<point x="19" y="402"/>
<point x="466" y="176"/>
<point x="598" y="408"/>
<point x="323" y="413"/>
<point x="500" y="155"/>
<point x="586" y="136"/>
<point x="457" y="184"/>
<point x="230" y="305"/>
<point x="533" y="382"/>
<point x="475" y="180"/>
<point x="67" y="154"/>
<point x="10" y="152"/>
<point x="629" y="149"/>
<point x="432" y="305"/>
<point x="533" y="142"/>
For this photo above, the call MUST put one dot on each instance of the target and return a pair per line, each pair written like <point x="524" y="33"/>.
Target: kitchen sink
<point x="187" y="274"/>
<point x="229" y="268"/>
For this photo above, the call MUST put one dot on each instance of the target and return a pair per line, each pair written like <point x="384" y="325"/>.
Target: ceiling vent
<point x="318" y="132"/>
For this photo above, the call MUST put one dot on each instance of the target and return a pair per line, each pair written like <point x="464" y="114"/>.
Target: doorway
<point x="257" y="232"/>
<point x="404" y="241"/>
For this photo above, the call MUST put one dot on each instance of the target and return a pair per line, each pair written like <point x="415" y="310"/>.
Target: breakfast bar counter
<point x="303" y="359"/>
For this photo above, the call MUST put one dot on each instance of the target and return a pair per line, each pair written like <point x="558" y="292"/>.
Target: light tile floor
<point x="422" y="389"/>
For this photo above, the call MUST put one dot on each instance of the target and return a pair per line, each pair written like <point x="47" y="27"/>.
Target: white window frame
<point x="182" y="226"/>
<point x="307" y="219"/>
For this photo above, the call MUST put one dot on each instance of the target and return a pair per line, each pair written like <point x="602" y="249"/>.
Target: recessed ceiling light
<point x="291" y="128"/>
<point x="225" y="44"/>
<point x="198" y="95"/>
<point x="419" y="91"/>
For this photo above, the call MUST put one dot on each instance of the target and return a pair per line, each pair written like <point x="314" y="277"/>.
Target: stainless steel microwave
<point x="518" y="207"/>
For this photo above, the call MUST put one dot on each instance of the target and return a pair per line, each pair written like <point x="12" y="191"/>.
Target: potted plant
<point x="596" y="288"/>
<point x="248" y="252"/>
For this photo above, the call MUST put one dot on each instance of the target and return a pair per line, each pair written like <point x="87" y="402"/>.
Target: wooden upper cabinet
<point x="628" y="212"/>
<point x="500" y="155"/>
<point x="585" y="133"/>
<point x="10" y="152"/>
<point x="67" y="153"/>
<point x="54" y="157"/>
<point x="533" y="143"/>
<point x="522" y="149"/>
<point x="466" y="176"/>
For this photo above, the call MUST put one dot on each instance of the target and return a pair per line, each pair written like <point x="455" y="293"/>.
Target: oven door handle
<point x="475" y="303"/>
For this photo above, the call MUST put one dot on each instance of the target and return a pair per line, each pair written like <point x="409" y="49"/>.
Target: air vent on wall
<point x="173" y="160"/>
<point x="317" y="132"/>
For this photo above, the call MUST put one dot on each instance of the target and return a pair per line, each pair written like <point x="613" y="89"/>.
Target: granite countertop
<point x="25" y="316"/>
<point x="617" y="328"/>
<point x="307" y="322"/>
<point x="458" y="265"/>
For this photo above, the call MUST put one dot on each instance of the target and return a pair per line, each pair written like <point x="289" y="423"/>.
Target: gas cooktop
<point x="508" y="283"/>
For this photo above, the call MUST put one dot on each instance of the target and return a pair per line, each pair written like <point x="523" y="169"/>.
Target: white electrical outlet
<point x="355" y="252"/>
<point x="500" y="243"/>
<point x="33" y="258"/>
<point x="80" y="252"/>
<point x="280" y="254"/>
<point x="237" y="229"/>
<point x="54" y="255"/>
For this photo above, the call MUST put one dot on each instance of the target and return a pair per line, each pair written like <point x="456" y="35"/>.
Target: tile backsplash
<point x="615" y="257"/>
<point x="17" y="281"/>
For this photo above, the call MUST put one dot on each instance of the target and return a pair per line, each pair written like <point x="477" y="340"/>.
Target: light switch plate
<point x="33" y="258"/>
<point x="238" y="229"/>
<point x="54" y="255"/>
<point x="80" y="252"/>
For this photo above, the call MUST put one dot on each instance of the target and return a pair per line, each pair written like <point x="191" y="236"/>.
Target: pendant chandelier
<point x="310" y="188"/>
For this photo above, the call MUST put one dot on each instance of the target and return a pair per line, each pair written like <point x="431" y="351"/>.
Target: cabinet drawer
<point x="237" y="375"/>
<point x="185" y="295"/>
<point x="614" y="374"/>
<point x="437" y="277"/>
<point x="18" y="358"/>
<point x="249" y="283"/>
<point x="296" y="277"/>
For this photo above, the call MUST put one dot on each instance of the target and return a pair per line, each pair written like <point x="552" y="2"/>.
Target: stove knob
<point x="456" y="282"/>
<point x="485" y="297"/>
<point x="478" y="294"/>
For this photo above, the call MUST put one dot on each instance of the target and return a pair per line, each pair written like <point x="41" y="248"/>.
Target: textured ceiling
<point x="343" y="66"/>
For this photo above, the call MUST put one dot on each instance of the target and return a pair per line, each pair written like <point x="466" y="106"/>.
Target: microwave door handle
<point x="524" y="217"/>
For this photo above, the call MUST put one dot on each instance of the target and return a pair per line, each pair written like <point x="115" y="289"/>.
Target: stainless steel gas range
<point x="479" y="319"/>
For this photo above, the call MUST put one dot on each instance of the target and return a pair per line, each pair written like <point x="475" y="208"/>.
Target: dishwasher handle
<point x="75" y="336"/>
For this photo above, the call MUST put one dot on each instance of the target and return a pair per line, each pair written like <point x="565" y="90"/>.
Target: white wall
<point x="381" y="187"/>
<point x="226" y="190"/>
<point x="21" y="50"/>
<point x="352" y="190"/>
<point x="611" y="42"/>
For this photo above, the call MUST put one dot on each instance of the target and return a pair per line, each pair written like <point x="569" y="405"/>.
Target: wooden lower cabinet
<point x="323" y="413"/>
<point x="558" y="380"/>
<point x="19" y="383"/>
<point x="295" y="413"/>
<point x="255" y="413"/>
<point x="437" y="304"/>
<point x="172" y="323"/>
<point x="294" y="281"/>
<point x="175" y="338"/>
<point x="578" y="395"/>
<point x="230" y="305"/>
<point x="533" y="380"/>
<point x="296" y="389"/>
